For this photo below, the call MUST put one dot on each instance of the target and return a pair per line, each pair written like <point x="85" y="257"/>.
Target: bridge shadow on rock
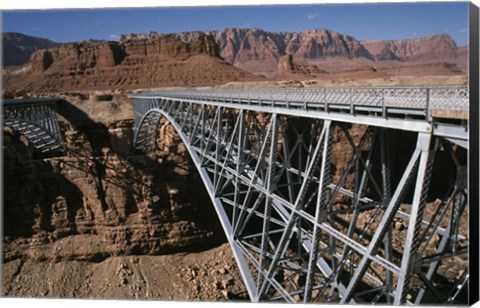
<point x="444" y="172"/>
<point x="36" y="197"/>
<point x="133" y="206"/>
<point x="97" y="133"/>
<point x="175" y="175"/>
<point x="178" y="195"/>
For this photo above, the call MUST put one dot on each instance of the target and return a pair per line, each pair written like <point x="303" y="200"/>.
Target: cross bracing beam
<point x="302" y="231"/>
<point x="35" y="119"/>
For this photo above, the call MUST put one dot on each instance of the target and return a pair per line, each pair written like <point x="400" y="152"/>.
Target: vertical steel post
<point x="409" y="258"/>
<point x="320" y="209"/>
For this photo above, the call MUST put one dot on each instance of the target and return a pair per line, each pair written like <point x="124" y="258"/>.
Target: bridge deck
<point x="444" y="110"/>
<point x="399" y="100"/>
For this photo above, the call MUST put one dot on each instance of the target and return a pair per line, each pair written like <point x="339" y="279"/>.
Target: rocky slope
<point x="258" y="51"/>
<point x="98" y="200"/>
<point x="17" y="47"/>
<point x="209" y="275"/>
<point x="162" y="60"/>
<point x="430" y="48"/>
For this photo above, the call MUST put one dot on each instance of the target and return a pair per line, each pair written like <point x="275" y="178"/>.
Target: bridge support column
<point x="409" y="259"/>
<point x="422" y="161"/>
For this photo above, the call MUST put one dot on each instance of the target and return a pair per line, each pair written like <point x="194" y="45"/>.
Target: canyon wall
<point x="17" y="47"/>
<point x="99" y="200"/>
<point x="243" y="46"/>
<point x="198" y="58"/>
<point x="159" y="61"/>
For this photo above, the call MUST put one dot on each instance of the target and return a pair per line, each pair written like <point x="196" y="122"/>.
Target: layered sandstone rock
<point x="430" y="48"/>
<point x="257" y="50"/>
<point x="315" y="44"/>
<point x="203" y="58"/>
<point x="17" y="47"/>
<point x="289" y="69"/>
<point x="98" y="200"/>
<point x="243" y="46"/>
<point x="163" y="60"/>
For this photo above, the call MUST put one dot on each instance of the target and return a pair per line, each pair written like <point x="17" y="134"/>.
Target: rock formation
<point x="430" y="48"/>
<point x="201" y="58"/>
<point x="289" y="69"/>
<point x="257" y="50"/>
<point x="163" y="60"/>
<point x="95" y="201"/>
<point x="17" y="47"/>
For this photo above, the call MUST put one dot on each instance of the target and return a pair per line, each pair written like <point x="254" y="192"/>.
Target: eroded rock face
<point x="41" y="60"/>
<point x="17" y="47"/>
<point x="264" y="49"/>
<point x="290" y="69"/>
<point x="430" y="48"/>
<point x="239" y="46"/>
<point x="324" y="43"/>
<point x="96" y="201"/>
<point x="163" y="60"/>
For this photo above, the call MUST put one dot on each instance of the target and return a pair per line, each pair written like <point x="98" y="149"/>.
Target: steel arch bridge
<point x="36" y="119"/>
<point x="302" y="231"/>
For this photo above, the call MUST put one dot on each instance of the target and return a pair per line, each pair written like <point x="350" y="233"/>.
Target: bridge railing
<point x="37" y="120"/>
<point x="419" y="100"/>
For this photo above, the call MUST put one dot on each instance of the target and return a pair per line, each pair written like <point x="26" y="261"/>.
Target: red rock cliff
<point x="162" y="60"/>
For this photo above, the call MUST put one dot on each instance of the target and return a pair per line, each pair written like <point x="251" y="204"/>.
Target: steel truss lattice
<point x="36" y="119"/>
<point x="304" y="232"/>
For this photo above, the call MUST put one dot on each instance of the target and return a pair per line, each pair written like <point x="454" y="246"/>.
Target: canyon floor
<point x="189" y="274"/>
<point x="209" y="275"/>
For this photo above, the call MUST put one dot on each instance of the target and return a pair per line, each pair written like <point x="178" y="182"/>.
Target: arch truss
<point x="304" y="229"/>
<point x="35" y="119"/>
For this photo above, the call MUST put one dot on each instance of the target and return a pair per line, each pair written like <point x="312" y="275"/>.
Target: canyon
<point x="258" y="51"/>
<point x="102" y="221"/>
<point x="213" y="58"/>
<point x="160" y="61"/>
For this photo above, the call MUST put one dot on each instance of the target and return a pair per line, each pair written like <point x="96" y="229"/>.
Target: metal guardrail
<point x="408" y="100"/>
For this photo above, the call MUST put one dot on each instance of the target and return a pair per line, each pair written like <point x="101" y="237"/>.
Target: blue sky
<point x="363" y="21"/>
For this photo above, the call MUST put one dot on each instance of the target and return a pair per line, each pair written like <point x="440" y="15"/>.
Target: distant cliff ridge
<point x="240" y="46"/>
<point x="435" y="47"/>
<point x="17" y="47"/>
<point x="163" y="60"/>
<point x="212" y="58"/>
<point x="263" y="48"/>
